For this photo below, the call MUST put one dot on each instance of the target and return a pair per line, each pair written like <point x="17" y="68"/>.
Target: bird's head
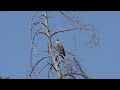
<point x="57" y="40"/>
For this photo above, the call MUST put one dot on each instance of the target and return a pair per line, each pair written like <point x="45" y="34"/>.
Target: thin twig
<point x="44" y="67"/>
<point x="31" y="28"/>
<point x="49" y="71"/>
<point x="70" y="75"/>
<point x="73" y="20"/>
<point x="71" y="29"/>
<point x="37" y="64"/>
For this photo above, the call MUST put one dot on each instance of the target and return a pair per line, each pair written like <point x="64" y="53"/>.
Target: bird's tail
<point x="62" y="56"/>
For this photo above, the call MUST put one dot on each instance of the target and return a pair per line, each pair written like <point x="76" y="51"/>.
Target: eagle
<point x="60" y="49"/>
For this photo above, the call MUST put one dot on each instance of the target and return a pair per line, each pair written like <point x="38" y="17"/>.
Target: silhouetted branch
<point x="65" y="15"/>
<point x="44" y="67"/>
<point x="71" y="29"/>
<point x="73" y="20"/>
<point x="37" y="64"/>
<point x="70" y="75"/>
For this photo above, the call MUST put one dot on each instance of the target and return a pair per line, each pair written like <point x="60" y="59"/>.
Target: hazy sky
<point x="102" y="61"/>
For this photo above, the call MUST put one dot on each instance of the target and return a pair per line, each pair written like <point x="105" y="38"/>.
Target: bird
<point x="60" y="49"/>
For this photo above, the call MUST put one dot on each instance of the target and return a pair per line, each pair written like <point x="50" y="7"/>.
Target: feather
<point x="60" y="48"/>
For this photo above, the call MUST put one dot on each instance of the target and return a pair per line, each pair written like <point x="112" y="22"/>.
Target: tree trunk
<point x="57" y="67"/>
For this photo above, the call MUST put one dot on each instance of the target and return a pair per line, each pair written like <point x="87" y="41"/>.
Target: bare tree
<point x="45" y="58"/>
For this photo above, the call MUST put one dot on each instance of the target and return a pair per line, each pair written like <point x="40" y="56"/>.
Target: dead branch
<point x="38" y="32"/>
<point x="37" y="64"/>
<point x="50" y="46"/>
<point x="68" y="68"/>
<point x="74" y="63"/>
<point x="73" y="20"/>
<point x="71" y="29"/>
<point x="70" y="75"/>
<point x="43" y="67"/>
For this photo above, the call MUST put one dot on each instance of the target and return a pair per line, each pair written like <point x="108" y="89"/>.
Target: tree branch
<point x="37" y="64"/>
<point x="71" y="29"/>
<point x="73" y="20"/>
<point x="50" y="46"/>
<point x="44" y="67"/>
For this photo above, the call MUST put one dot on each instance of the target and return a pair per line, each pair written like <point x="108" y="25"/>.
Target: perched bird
<point x="60" y="48"/>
